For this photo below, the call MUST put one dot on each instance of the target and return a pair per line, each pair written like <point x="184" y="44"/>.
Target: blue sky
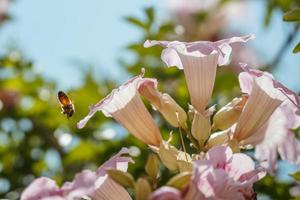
<point x="56" y="34"/>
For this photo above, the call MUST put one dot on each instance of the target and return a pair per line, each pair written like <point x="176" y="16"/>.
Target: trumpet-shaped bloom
<point x="96" y="185"/>
<point x="221" y="176"/>
<point x="279" y="137"/>
<point x="199" y="61"/>
<point x="200" y="48"/>
<point x="265" y="96"/>
<point x="276" y="134"/>
<point x="125" y="106"/>
<point x="262" y="102"/>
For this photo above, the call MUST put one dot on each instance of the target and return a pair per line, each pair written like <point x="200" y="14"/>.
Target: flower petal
<point x="262" y="102"/>
<point x="82" y="185"/>
<point x="279" y="137"/>
<point x="224" y="175"/>
<point x="42" y="188"/>
<point x="200" y="74"/>
<point x="125" y="106"/>
<point x="199" y="48"/>
<point x="292" y="96"/>
<point x="118" y="161"/>
<point x="236" y="169"/>
<point x="289" y="148"/>
<point x="166" y="193"/>
<point x="110" y="98"/>
<point x="107" y="189"/>
<point x="220" y="156"/>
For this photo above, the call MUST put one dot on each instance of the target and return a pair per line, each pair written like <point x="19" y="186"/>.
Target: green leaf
<point x="293" y="15"/>
<point x="150" y="15"/>
<point x="136" y="22"/>
<point x="297" y="48"/>
<point x="296" y="176"/>
<point x="123" y="178"/>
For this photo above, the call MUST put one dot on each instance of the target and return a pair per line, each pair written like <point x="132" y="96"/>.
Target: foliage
<point x="32" y="128"/>
<point x="33" y="131"/>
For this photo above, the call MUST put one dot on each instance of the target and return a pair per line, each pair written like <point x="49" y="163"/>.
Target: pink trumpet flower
<point x="199" y="61"/>
<point x="276" y="135"/>
<point x="87" y="184"/>
<point x="263" y="100"/>
<point x="221" y="176"/>
<point x="125" y="106"/>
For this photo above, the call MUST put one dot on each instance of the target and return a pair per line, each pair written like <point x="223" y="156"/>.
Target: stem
<point x="181" y="137"/>
<point x="279" y="55"/>
<point x="182" y="143"/>
<point x="194" y="142"/>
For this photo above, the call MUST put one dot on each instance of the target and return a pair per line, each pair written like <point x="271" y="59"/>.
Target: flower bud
<point x="201" y="126"/>
<point x="142" y="189"/>
<point x="152" y="166"/>
<point x="184" y="162"/>
<point x="230" y="113"/>
<point x="122" y="178"/>
<point x="218" y="138"/>
<point x="180" y="181"/>
<point x="168" y="155"/>
<point x="172" y="112"/>
<point x="164" y="103"/>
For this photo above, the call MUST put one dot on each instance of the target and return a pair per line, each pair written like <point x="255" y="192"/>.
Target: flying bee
<point x="66" y="104"/>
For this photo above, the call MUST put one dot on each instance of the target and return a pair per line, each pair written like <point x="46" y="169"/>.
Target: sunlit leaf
<point x="296" y="176"/>
<point x="293" y="15"/>
<point x="136" y="22"/>
<point x="297" y="48"/>
<point x="150" y="15"/>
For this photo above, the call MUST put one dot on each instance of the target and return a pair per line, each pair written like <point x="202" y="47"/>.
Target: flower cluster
<point x="86" y="184"/>
<point x="262" y="117"/>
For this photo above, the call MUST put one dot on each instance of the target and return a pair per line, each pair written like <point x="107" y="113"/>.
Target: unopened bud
<point x="184" y="162"/>
<point x="152" y="166"/>
<point x="218" y="138"/>
<point x="168" y="155"/>
<point x="122" y="178"/>
<point x="229" y="114"/>
<point x="201" y="126"/>
<point x="164" y="103"/>
<point x="234" y="145"/>
<point x="142" y="189"/>
<point x="180" y="181"/>
<point x="172" y="112"/>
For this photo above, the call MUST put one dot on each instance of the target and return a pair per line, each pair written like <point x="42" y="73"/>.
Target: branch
<point x="279" y="55"/>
